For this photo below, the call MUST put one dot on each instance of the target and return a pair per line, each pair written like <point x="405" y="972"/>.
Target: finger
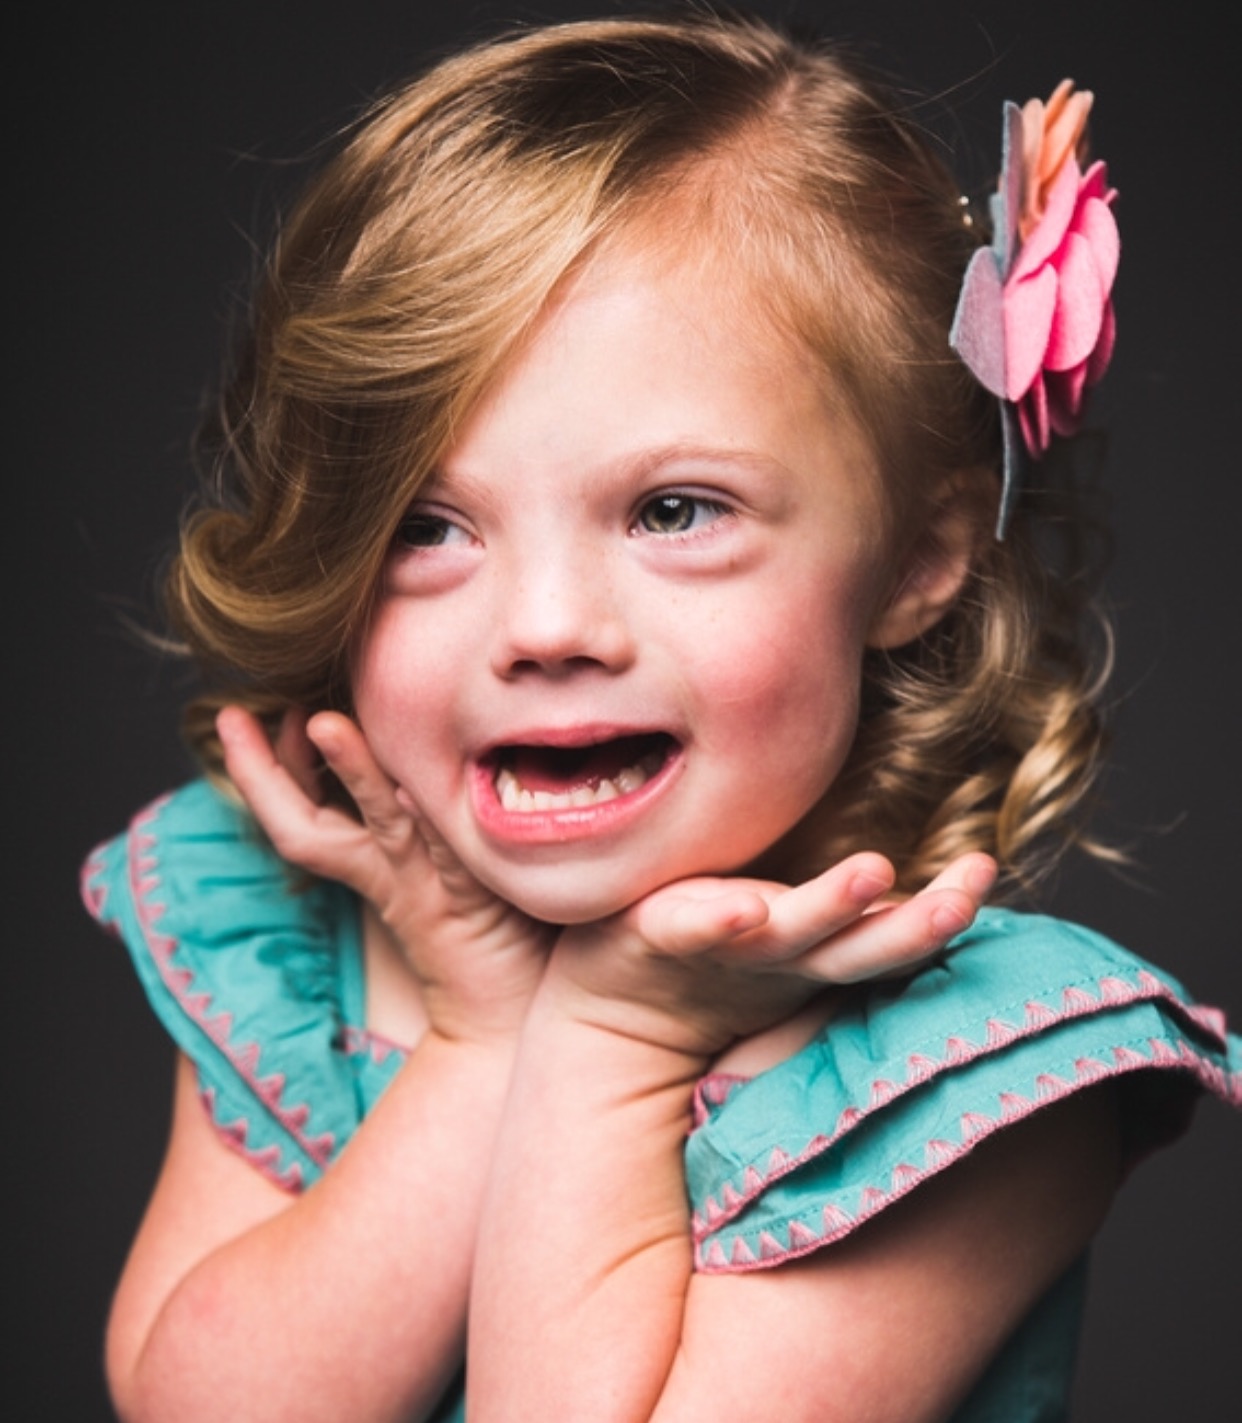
<point x="453" y="873"/>
<point x="807" y="914"/>
<point x="897" y="938"/>
<point x="679" y="923"/>
<point x="345" y="750"/>
<point x="891" y="941"/>
<point x="810" y="915"/>
<point x="974" y="873"/>
<point x="803" y="916"/>
<point x="249" y="756"/>
<point x="756" y="920"/>
<point x="402" y="833"/>
<point x="320" y="839"/>
<point x="299" y="755"/>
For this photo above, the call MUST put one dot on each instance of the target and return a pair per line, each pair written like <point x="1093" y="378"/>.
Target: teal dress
<point x="258" y="975"/>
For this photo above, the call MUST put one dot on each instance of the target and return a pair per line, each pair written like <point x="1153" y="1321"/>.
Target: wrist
<point x="468" y="1037"/>
<point x="644" y="1046"/>
<point x="487" y="1063"/>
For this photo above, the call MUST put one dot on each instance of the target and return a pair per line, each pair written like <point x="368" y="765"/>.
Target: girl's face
<point x="619" y="640"/>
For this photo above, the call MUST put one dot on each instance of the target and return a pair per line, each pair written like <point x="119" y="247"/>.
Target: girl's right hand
<point x="477" y="959"/>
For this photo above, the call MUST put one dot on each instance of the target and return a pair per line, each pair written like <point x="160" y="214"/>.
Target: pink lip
<point x="551" y="827"/>
<point x="580" y="734"/>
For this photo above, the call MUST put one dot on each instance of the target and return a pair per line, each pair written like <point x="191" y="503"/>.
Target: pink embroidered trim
<point x="1076" y="1001"/>
<point x="95" y="895"/>
<point x="712" y="1090"/>
<point x="265" y="1160"/>
<point x="710" y="1258"/>
<point x="359" y="1042"/>
<point x="268" y="1091"/>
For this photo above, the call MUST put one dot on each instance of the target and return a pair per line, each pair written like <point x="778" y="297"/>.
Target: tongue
<point x="563" y="768"/>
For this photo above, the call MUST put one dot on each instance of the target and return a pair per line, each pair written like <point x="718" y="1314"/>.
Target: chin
<point x="575" y="897"/>
<point x="551" y="907"/>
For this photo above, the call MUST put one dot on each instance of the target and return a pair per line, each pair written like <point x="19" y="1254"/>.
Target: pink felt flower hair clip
<point x="1034" y="322"/>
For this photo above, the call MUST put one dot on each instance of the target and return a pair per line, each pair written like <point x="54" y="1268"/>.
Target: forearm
<point x="584" y="1253"/>
<point x="350" y="1302"/>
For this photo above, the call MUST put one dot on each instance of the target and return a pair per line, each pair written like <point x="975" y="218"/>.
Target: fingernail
<point x="981" y="878"/>
<point x="948" y="920"/>
<point x="865" y="887"/>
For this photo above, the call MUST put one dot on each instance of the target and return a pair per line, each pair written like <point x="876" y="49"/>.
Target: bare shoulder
<point x="949" y="1271"/>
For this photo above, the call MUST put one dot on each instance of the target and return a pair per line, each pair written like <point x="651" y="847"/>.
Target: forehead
<point x="677" y="297"/>
<point x="650" y="359"/>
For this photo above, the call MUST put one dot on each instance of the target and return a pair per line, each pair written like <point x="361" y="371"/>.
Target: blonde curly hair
<point x="425" y="251"/>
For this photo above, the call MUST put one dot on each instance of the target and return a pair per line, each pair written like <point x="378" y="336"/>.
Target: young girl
<point x="640" y="626"/>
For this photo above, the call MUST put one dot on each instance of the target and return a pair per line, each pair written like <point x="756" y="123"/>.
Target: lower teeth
<point x="515" y="797"/>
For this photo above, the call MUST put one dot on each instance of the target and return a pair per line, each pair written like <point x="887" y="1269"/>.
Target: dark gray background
<point x="145" y="150"/>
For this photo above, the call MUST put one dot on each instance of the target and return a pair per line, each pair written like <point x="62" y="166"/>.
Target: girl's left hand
<point x="700" y="963"/>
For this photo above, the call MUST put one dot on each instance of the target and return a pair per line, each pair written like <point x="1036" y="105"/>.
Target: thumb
<point x="675" y="922"/>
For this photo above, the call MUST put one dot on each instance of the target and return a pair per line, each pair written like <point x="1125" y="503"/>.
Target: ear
<point x="932" y="571"/>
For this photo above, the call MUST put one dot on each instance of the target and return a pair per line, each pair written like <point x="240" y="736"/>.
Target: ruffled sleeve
<point x="1020" y="1012"/>
<point x="256" y="975"/>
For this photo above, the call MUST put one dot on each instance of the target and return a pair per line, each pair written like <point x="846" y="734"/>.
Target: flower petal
<point x="1095" y="183"/>
<point x="978" y="333"/>
<point x="1034" y="112"/>
<point x="1052" y="133"/>
<point x="1033" y="418"/>
<point x="1097" y="364"/>
<point x="1029" y="309"/>
<point x="1080" y="304"/>
<point x="1096" y="223"/>
<point x="1065" y="392"/>
<point x="1048" y="233"/>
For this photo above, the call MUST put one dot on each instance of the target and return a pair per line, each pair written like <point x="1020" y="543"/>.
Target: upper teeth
<point x="514" y="796"/>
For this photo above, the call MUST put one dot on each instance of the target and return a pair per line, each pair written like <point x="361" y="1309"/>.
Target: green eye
<point x="677" y="513"/>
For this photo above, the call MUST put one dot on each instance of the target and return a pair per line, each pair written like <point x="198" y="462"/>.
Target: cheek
<point x="796" y="667"/>
<point x="780" y="729"/>
<point x="787" y="700"/>
<point x="376" y="689"/>
<point x="395" y="684"/>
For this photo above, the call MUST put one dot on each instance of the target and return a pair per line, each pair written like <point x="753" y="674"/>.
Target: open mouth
<point x="550" y="778"/>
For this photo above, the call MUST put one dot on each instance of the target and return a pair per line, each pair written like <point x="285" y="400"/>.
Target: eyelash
<point x="425" y="521"/>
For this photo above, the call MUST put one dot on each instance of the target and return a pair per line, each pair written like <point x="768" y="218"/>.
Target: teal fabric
<point x="257" y="973"/>
<point x="911" y="1074"/>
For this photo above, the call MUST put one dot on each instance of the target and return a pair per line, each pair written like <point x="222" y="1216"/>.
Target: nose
<point x="560" y="611"/>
